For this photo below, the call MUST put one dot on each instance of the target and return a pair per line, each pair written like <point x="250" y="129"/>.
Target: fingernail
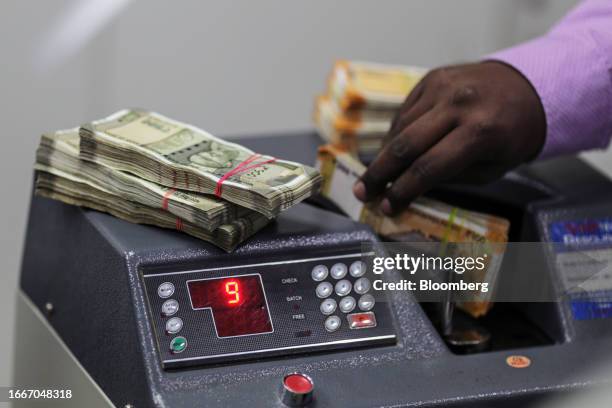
<point x="385" y="207"/>
<point x="359" y="190"/>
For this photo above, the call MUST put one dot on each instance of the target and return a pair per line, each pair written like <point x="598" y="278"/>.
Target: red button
<point x="361" y="320"/>
<point x="298" y="383"/>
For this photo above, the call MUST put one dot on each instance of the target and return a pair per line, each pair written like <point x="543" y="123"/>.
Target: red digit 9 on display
<point x="232" y="290"/>
<point x="238" y="304"/>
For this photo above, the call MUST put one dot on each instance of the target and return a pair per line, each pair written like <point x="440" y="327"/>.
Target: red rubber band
<point x="167" y="198"/>
<point x="240" y="168"/>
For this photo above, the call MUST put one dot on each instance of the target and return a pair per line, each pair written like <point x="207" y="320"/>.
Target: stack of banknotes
<point x="361" y="100"/>
<point x="424" y="220"/>
<point x="146" y="168"/>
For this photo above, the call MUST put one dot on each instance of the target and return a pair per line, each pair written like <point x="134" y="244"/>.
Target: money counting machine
<point x="136" y="316"/>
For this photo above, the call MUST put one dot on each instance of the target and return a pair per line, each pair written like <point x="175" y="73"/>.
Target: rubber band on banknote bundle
<point x="166" y="198"/>
<point x="240" y="168"/>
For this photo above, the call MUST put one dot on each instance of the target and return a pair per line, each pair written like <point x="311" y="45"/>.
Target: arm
<point x="474" y="122"/>
<point x="571" y="70"/>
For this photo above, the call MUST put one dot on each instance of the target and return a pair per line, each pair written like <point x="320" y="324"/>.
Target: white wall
<point x="243" y="67"/>
<point x="228" y="66"/>
<point x="29" y="104"/>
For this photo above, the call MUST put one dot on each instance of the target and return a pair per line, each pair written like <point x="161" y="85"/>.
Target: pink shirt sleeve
<point x="571" y="69"/>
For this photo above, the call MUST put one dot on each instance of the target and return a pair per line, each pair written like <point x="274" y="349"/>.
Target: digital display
<point x="238" y="304"/>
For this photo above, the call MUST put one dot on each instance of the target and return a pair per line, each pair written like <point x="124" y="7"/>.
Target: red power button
<point x="298" y="383"/>
<point x="297" y="390"/>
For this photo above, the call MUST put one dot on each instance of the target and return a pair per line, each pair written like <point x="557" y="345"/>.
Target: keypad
<point x="337" y="285"/>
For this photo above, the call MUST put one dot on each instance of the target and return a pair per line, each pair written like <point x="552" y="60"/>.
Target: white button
<point x="165" y="290"/>
<point x="343" y="287"/>
<point x="332" y="323"/>
<point x="319" y="273"/>
<point x="347" y="304"/>
<point x="324" y="289"/>
<point x="170" y="307"/>
<point x="328" y="306"/>
<point x="174" y="325"/>
<point x="358" y="269"/>
<point x="362" y="285"/>
<point x="338" y="271"/>
<point x="366" y="302"/>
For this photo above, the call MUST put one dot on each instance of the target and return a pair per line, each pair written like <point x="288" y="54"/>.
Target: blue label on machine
<point x="583" y="233"/>
<point x="592" y="307"/>
<point x="581" y="243"/>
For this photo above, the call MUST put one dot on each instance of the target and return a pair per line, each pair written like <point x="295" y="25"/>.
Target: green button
<point x="178" y="344"/>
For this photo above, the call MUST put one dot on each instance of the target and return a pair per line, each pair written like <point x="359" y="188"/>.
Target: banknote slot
<point x="507" y="326"/>
<point x="512" y="323"/>
<point x="518" y="318"/>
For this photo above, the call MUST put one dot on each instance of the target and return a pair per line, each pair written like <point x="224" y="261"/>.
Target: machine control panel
<point x="226" y="313"/>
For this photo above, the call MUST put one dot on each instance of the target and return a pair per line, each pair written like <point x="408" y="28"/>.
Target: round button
<point x="324" y="289"/>
<point x="357" y="269"/>
<point x="338" y="271"/>
<point x="174" y="325"/>
<point x="343" y="287"/>
<point x="178" y="344"/>
<point x="297" y="390"/>
<point x="347" y="304"/>
<point x="362" y="285"/>
<point x="332" y="323"/>
<point x="366" y="302"/>
<point x="328" y="306"/>
<point x="170" y="307"/>
<point x="165" y="290"/>
<point x="319" y="273"/>
<point x="298" y="383"/>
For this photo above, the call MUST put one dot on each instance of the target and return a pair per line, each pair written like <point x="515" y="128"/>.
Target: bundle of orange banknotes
<point x="360" y="102"/>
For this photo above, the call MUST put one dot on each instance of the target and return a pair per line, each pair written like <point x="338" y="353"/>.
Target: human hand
<point x="465" y="123"/>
